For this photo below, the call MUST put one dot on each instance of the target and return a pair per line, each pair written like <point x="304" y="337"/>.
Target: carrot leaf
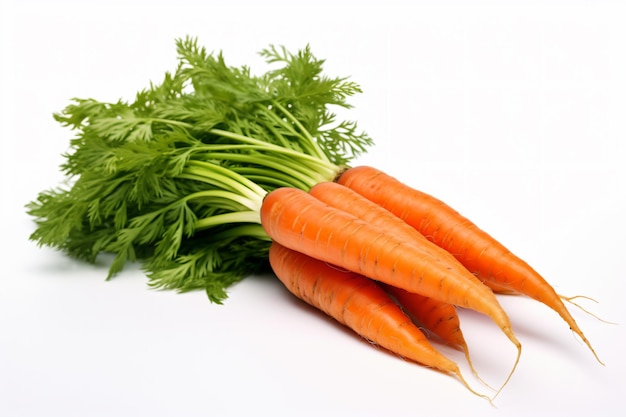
<point x="175" y="177"/>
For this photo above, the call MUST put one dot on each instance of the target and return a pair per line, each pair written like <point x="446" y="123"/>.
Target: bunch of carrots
<point x="382" y="258"/>
<point x="216" y="173"/>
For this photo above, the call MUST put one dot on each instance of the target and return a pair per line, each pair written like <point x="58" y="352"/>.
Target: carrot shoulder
<point x="358" y="303"/>
<point x="479" y="252"/>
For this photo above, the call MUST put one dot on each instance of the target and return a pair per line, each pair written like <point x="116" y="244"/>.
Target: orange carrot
<point x="348" y="200"/>
<point x="301" y="222"/>
<point x="478" y="251"/>
<point x="439" y="318"/>
<point x="360" y="304"/>
<point x="444" y="322"/>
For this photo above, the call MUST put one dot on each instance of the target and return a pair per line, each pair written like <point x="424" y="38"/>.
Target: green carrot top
<point x="176" y="178"/>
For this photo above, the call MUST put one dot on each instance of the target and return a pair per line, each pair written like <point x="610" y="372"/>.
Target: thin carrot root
<point x="468" y="358"/>
<point x="569" y="300"/>
<point x="574" y="327"/>
<point x="459" y="375"/>
<point x="518" y="345"/>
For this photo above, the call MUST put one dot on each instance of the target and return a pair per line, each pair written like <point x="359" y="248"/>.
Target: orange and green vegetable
<point x="216" y="174"/>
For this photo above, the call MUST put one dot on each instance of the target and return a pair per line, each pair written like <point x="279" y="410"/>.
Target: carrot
<point x="301" y="222"/>
<point x="360" y="304"/>
<point x="501" y="289"/>
<point x="439" y="318"/>
<point x="478" y="251"/>
<point x="346" y="199"/>
<point x="444" y="322"/>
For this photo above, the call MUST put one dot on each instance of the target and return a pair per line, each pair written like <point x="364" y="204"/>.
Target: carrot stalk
<point x="301" y="222"/>
<point x="358" y="303"/>
<point x="478" y="251"/>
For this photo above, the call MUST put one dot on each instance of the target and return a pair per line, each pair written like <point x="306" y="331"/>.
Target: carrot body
<point x="358" y="303"/>
<point x="475" y="249"/>
<point x="301" y="222"/>
<point x="438" y="317"/>
<point x="348" y="200"/>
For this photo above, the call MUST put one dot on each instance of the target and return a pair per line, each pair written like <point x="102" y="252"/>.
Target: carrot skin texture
<point x="357" y="302"/>
<point x="346" y="199"/>
<point x="437" y="317"/>
<point x="479" y="252"/>
<point x="360" y="304"/>
<point x="441" y="319"/>
<point x="301" y="222"/>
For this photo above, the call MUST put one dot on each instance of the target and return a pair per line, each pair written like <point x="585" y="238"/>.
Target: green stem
<point x="303" y="141"/>
<point x="226" y="199"/>
<point x="247" y="216"/>
<point x="317" y="150"/>
<point x="213" y="173"/>
<point x="321" y="164"/>
<point x="253" y="230"/>
<point x="260" y="175"/>
<point x="300" y="177"/>
<point x="284" y="142"/>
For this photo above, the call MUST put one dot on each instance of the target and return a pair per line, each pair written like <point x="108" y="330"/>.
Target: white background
<point x="514" y="115"/>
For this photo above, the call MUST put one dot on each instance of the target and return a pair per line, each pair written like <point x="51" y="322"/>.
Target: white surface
<point x="514" y="115"/>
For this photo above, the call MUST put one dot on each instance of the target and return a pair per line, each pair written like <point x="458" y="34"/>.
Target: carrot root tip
<point x="580" y="307"/>
<point x="509" y="332"/>
<point x="474" y="371"/>
<point x="459" y="375"/>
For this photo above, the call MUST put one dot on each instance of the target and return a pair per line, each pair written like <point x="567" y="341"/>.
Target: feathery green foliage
<point x="176" y="177"/>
